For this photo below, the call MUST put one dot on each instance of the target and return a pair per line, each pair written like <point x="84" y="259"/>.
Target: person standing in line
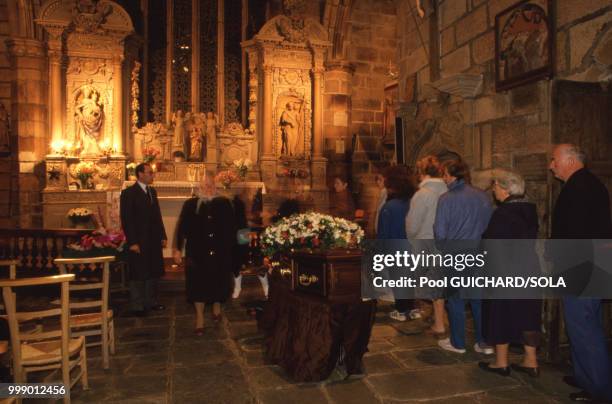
<point x="342" y="203"/>
<point x="382" y="198"/>
<point x="513" y="320"/>
<point x="206" y="230"/>
<point x="400" y="188"/>
<point x="419" y="230"/>
<point x="462" y="214"/>
<point x="144" y="230"/>
<point x="582" y="211"/>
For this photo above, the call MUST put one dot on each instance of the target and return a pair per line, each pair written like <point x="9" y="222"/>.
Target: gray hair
<point x="574" y="151"/>
<point x="510" y="181"/>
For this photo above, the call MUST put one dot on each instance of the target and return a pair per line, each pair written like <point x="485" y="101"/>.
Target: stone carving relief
<point x="236" y="143"/>
<point x="135" y="94"/>
<point x="437" y="135"/>
<point x="292" y="112"/>
<point x="89" y="15"/>
<point x="156" y="135"/>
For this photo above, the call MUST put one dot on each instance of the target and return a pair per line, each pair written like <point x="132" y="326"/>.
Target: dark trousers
<point x="143" y="294"/>
<point x="404" y="305"/>
<point x="592" y="368"/>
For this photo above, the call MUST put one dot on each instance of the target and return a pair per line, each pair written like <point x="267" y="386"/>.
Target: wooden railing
<point x="35" y="249"/>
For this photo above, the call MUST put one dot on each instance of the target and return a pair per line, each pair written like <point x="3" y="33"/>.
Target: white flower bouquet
<point x="310" y="230"/>
<point x="242" y="166"/>
<point x="79" y="215"/>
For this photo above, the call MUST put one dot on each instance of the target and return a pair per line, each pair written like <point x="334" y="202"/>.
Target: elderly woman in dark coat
<point x="513" y="320"/>
<point x="207" y="231"/>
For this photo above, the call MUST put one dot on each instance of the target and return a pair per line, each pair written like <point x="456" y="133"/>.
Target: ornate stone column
<point x="319" y="163"/>
<point x="118" y="105"/>
<point x="29" y="122"/>
<point x="221" y="62"/>
<point x="55" y="86"/>
<point x="253" y="91"/>
<point x="267" y="111"/>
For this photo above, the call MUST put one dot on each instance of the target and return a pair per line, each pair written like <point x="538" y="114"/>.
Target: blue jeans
<point x="592" y="368"/>
<point x="456" y="318"/>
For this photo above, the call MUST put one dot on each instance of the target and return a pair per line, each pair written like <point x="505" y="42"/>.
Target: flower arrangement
<point x="131" y="169"/>
<point x="227" y="177"/>
<point x="79" y="215"/>
<point x="294" y="173"/>
<point x="99" y="243"/>
<point x="85" y="171"/>
<point x="149" y="154"/>
<point x="242" y="166"/>
<point x="310" y="230"/>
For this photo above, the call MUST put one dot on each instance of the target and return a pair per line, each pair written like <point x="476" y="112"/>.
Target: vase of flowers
<point x="131" y="171"/>
<point x="226" y="178"/>
<point x="149" y="154"/>
<point x="80" y="218"/>
<point x="242" y="167"/>
<point x="85" y="171"/>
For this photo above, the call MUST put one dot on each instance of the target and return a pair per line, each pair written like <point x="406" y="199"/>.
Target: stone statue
<point x="211" y="128"/>
<point x="89" y="116"/>
<point x="178" y="141"/>
<point x="195" y="149"/>
<point x="290" y="130"/>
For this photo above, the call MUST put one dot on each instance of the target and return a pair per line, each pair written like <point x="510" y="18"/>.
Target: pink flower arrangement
<point x="150" y="153"/>
<point x="294" y="173"/>
<point x="101" y="239"/>
<point x="227" y="177"/>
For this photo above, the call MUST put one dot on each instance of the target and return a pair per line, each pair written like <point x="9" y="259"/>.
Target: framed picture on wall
<point x="524" y="43"/>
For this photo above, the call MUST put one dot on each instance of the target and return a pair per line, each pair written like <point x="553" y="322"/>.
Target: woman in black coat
<point x="513" y="320"/>
<point x="206" y="229"/>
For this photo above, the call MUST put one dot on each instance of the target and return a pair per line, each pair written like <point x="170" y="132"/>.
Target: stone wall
<point x="5" y="99"/>
<point x="494" y="129"/>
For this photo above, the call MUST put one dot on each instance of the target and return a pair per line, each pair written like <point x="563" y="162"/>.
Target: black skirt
<point x="512" y="321"/>
<point x="207" y="283"/>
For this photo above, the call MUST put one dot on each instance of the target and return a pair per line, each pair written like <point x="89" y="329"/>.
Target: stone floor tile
<point x="423" y="358"/>
<point x="268" y="377"/>
<point x="295" y="395"/>
<point x="380" y="363"/>
<point x="440" y="382"/>
<point x="351" y="392"/>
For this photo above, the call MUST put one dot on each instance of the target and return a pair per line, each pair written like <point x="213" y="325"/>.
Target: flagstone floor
<point x="159" y="360"/>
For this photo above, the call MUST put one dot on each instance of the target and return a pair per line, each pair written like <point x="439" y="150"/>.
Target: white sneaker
<point x="483" y="348"/>
<point x="446" y="345"/>
<point x="397" y="316"/>
<point x="415" y="314"/>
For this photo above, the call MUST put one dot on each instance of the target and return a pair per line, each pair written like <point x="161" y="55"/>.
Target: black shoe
<point x="158" y="307"/>
<point x="136" y="313"/>
<point x="583" y="396"/>
<point x="571" y="380"/>
<point x="533" y="372"/>
<point x="500" y="371"/>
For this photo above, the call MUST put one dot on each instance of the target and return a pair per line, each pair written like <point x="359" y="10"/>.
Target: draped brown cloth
<point x="305" y="333"/>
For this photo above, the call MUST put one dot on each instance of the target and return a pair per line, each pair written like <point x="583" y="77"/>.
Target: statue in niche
<point x="178" y="141"/>
<point x="211" y="128"/>
<point x="195" y="144"/>
<point x="290" y="130"/>
<point x="89" y="117"/>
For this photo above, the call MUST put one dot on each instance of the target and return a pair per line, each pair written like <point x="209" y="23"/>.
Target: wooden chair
<point x="12" y="264"/>
<point x="94" y="318"/>
<point x="46" y="350"/>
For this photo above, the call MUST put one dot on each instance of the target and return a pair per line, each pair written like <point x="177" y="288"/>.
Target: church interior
<point x="277" y="99"/>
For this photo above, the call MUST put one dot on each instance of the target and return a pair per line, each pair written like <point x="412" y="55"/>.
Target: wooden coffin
<point x="334" y="275"/>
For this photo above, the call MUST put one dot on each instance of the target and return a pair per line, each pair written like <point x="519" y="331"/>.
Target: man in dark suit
<point x="144" y="229"/>
<point x="582" y="211"/>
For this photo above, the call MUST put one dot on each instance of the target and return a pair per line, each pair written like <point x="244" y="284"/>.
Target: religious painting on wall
<point x="523" y="44"/>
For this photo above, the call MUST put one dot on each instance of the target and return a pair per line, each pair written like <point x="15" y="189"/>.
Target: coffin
<point x="334" y="275"/>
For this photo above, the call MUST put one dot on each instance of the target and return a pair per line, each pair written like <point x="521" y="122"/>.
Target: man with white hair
<point x="582" y="211"/>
